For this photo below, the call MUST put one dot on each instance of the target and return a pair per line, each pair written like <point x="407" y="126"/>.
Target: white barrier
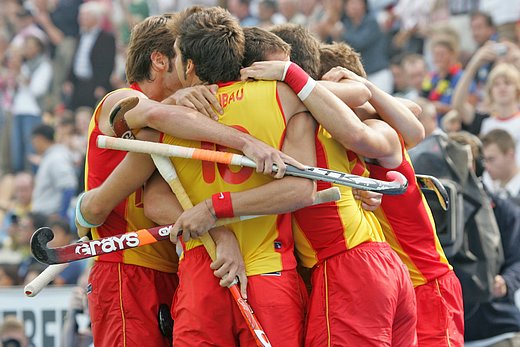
<point x="43" y="315"/>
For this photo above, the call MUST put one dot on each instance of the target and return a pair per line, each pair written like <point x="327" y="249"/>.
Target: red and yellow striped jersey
<point x="129" y="214"/>
<point x="409" y="227"/>
<point x="253" y="107"/>
<point x="324" y="230"/>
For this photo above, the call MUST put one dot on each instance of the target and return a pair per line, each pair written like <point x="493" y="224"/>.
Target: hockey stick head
<point x="398" y="178"/>
<point x="117" y="117"/>
<point x="431" y="183"/>
<point x="39" y="248"/>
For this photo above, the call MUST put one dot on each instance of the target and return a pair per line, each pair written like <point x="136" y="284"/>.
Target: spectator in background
<point x="329" y="25"/>
<point x="413" y="18"/>
<point x="25" y="26"/>
<point x="55" y="182"/>
<point x="483" y="30"/>
<point x="400" y="83"/>
<point x="4" y="44"/>
<point x="451" y="123"/>
<point x="93" y="61"/>
<point x="59" y="20"/>
<point x="20" y="204"/>
<point x="9" y="71"/>
<point x="502" y="96"/>
<point x="65" y="133"/>
<point x="21" y="242"/>
<point x="502" y="175"/>
<point x="313" y="11"/>
<point x="289" y="9"/>
<point x="8" y="274"/>
<point x="459" y="18"/>
<point x="134" y="11"/>
<point x="33" y="83"/>
<point x="76" y="327"/>
<point x="268" y="14"/>
<point x="240" y="9"/>
<point x="439" y="84"/>
<point x="82" y="120"/>
<point x="12" y="333"/>
<point x="505" y="14"/>
<point x="361" y="31"/>
<point x="428" y="118"/>
<point x="496" y="323"/>
<point x="415" y="72"/>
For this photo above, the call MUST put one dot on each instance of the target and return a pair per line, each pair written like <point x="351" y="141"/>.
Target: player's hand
<point x="193" y="223"/>
<point x="265" y="156"/>
<point x="339" y="73"/>
<point x="499" y="287"/>
<point x="264" y="70"/>
<point x="82" y="231"/>
<point x="229" y="263"/>
<point x="200" y="98"/>
<point x="370" y="201"/>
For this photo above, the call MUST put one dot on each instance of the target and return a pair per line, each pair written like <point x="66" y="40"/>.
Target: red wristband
<point x="222" y="205"/>
<point x="299" y="81"/>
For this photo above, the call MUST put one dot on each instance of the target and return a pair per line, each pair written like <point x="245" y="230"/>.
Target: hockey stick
<point x="110" y="244"/>
<point x="397" y="186"/>
<point x="431" y="183"/>
<point x="36" y="285"/>
<point x="168" y="172"/>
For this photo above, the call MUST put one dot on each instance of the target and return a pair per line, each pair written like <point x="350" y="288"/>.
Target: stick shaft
<point x="36" y="285"/>
<point x="116" y="243"/>
<point x="314" y="173"/>
<point x="167" y="170"/>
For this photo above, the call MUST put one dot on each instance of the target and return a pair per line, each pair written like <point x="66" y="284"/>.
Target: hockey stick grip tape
<point x="36" y="285"/>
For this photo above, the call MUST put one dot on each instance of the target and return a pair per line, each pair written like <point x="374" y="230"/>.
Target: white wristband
<point x="79" y="216"/>
<point x="307" y="89"/>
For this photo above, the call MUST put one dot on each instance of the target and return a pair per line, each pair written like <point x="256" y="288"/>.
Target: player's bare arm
<point x="332" y="113"/>
<point x="201" y="98"/>
<point x="390" y="109"/>
<point x="352" y="93"/>
<point x="128" y="176"/>
<point x="186" y="123"/>
<point x="163" y="207"/>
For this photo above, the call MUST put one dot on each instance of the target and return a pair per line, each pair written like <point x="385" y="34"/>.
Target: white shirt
<point x="35" y="85"/>
<point x="511" y="189"/>
<point x="82" y="65"/>
<point x="55" y="174"/>
<point x="511" y="125"/>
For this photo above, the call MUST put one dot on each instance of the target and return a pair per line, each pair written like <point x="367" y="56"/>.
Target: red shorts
<point x="440" y="312"/>
<point x="362" y="297"/>
<point x="205" y="313"/>
<point x="124" y="304"/>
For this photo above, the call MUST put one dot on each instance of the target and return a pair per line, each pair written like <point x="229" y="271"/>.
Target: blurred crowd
<point x="458" y="59"/>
